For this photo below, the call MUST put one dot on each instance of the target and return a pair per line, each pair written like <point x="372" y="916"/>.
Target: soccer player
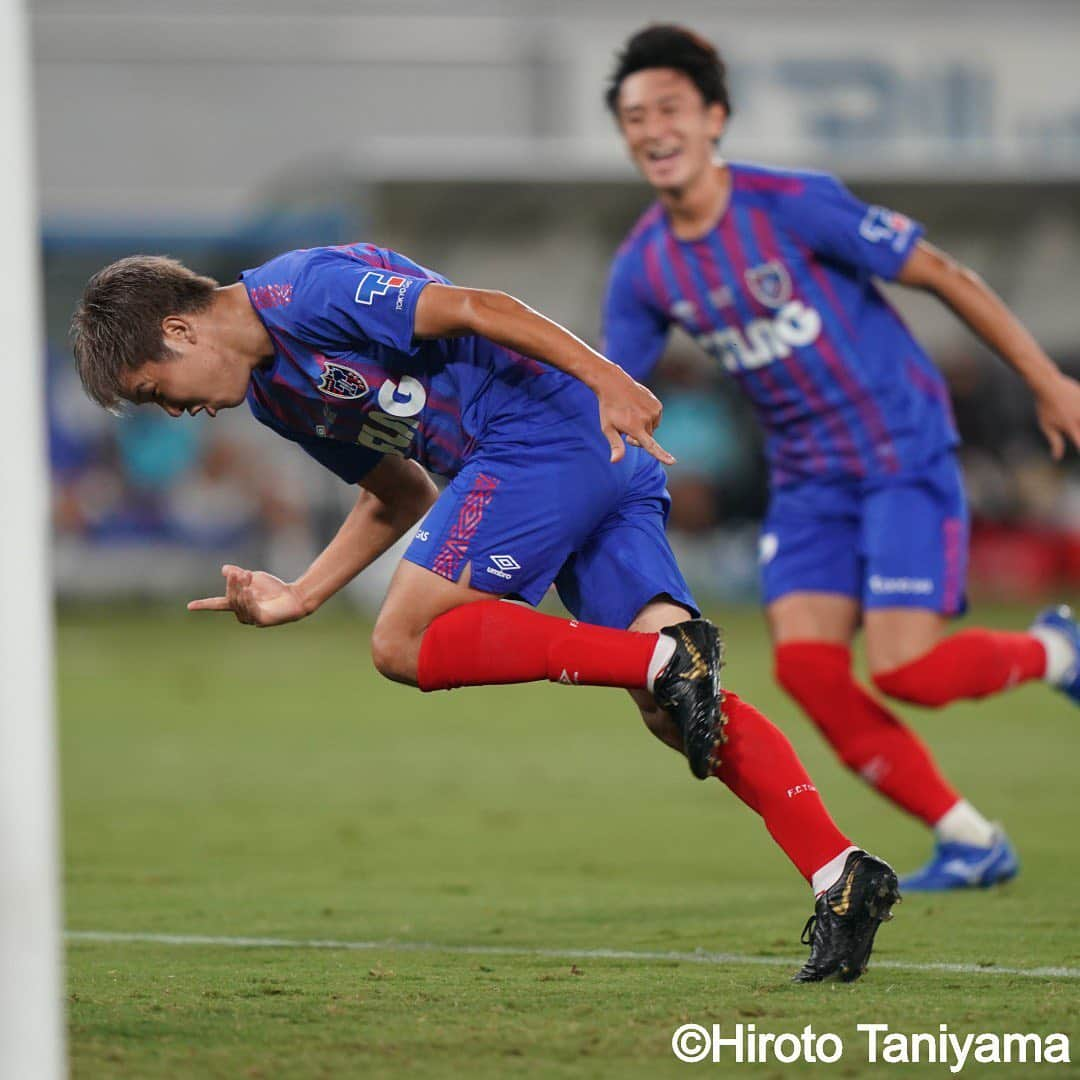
<point x="380" y="370"/>
<point x="772" y="272"/>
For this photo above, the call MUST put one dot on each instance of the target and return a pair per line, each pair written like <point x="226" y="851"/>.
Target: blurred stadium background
<point x="473" y="137"/>
<point x="220" y="782"/>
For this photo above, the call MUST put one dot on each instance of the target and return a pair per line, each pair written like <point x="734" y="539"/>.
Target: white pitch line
<point x="700" y="957"/>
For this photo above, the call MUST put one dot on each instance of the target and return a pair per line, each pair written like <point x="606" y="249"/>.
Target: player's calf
<point x="657" y="720"/>
<point x="968" y="665"/>
<point x="853" y="894"/>
<point x="491" y="642"/>
<point x="869" y="739"/>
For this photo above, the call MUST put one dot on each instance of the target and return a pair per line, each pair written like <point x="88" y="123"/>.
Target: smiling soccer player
<point x="771" y="271"/>
<point x="380" y="370"/>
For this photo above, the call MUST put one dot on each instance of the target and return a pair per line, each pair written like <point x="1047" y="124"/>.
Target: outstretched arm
<point x="395" y="495"/>
<point x="626" y="407"/>
<point x="1057" y="397"/>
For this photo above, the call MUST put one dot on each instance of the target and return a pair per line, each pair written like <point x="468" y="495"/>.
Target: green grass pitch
<point x="229" y="782"/>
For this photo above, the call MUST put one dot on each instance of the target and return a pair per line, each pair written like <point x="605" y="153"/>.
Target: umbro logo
<point x="504" y="564"/>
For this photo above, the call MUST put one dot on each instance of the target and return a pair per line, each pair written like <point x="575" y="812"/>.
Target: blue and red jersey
<point x="781" y="292"/>
<point x="350" y="382"/>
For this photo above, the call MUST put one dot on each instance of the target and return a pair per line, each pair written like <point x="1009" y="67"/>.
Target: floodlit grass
<point x="230" y="782"/>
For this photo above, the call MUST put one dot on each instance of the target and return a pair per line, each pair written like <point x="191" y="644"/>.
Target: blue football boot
<point x="965" y="866"/>
<point x="1060" y="622"/>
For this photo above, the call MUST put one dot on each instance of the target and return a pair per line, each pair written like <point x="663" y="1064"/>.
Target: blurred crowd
<point x="1025" y="507"/>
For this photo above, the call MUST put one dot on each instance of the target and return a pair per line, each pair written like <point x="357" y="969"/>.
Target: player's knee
<point x="789" y="675"/>
<point x="391" y="653"/>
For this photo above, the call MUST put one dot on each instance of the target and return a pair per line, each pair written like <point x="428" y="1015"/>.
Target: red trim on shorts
<point x="953" y="531"/>
<point x="455" y="547"/>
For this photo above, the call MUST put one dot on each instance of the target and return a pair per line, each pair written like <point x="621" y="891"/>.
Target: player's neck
<point x="696" y="209"/>
<point x="241" y="327"/>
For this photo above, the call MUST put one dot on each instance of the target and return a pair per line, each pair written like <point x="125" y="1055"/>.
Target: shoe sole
<point x="881" y="895"/>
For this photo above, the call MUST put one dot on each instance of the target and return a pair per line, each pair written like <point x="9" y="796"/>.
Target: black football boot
<point x="846" y="917"/>
<point x="689" y="690"/>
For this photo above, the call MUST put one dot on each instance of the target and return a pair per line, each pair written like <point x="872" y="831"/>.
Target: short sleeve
<point x="634" y="330"/>
<point x="836" y="225"/>
<point x="343" y="299"/>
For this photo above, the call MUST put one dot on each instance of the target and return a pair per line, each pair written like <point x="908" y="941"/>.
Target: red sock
<point x="760" y="766"/>
<point x="868" y="738"/>
<point x="971" y="664"/>
<point x="492" y="641"/>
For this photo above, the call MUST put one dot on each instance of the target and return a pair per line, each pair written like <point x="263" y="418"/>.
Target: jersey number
<point x="391" y="428"/>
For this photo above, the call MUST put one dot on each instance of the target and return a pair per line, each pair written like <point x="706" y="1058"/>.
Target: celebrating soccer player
<point x="771" y="271"/>
<point x="380" y="370"/>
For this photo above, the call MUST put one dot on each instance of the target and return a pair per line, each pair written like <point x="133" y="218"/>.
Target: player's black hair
<point x="117" y="325"/>
<point x="664" y="45"/>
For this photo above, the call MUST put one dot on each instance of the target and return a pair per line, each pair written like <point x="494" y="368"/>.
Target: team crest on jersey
<point x="342" y="382"/>
<point x="769" y="283"/>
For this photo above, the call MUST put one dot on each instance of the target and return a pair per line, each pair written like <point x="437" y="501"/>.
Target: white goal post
<point x="31" y="1014"/>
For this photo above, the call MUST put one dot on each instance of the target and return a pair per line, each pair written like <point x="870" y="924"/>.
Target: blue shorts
<point x="899" y="541"/>
<point x="559" y="512"/>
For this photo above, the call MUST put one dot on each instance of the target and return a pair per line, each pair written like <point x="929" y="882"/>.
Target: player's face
<point x="669" y="130"/>
<point x="199" y="377"/>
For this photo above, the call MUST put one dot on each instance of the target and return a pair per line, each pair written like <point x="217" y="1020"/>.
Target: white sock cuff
<point x="1060" y="655"/>
<point x="963" y="824"/>
<point x="827" y="876"/>
<point x="664" y="651"/>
